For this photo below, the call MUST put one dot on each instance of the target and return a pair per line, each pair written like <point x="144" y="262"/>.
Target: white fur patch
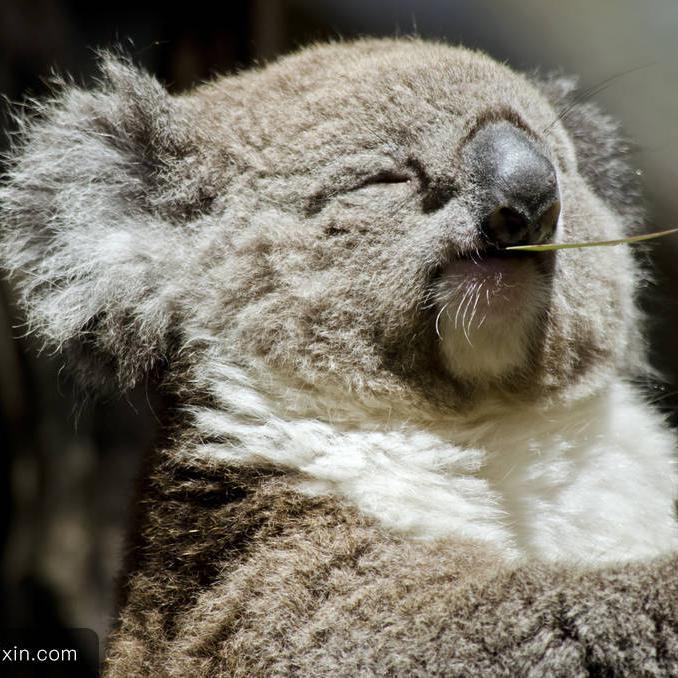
<point x="593" y="481"/>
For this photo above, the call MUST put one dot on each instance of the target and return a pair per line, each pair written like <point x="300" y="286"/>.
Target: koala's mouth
<point x="487" y="304"/>
<point x="490" y="287"/>
<point x="503" y="260"/>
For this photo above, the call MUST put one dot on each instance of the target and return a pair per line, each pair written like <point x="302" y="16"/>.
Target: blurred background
<point x="68" y="470"/>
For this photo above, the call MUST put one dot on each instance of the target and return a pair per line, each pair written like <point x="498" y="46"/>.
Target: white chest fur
<point x="591" y="482"/>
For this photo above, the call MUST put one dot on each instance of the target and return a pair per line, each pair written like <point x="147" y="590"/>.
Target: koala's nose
<point x="520" y="198"/>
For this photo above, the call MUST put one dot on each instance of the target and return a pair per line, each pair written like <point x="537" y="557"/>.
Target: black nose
<point x="520" y="199"/>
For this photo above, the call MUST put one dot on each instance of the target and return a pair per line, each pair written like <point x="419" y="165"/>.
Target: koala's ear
<point x="93" y="208"/>
<point x="602" y="149"/>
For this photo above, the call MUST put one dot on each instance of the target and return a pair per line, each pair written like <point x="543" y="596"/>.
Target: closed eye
<point x="345" y="186"/>
<point x="384" y="177"/>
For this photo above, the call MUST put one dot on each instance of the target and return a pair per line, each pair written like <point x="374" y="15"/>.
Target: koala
<point x="393" y="446"/>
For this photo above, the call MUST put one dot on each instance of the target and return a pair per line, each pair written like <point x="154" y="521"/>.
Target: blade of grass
<point x="595" y="243"/>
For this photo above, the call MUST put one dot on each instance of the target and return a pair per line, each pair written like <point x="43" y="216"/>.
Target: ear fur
<point x="89" y="208"/>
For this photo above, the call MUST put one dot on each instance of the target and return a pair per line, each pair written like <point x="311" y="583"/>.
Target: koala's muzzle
<point x="518" y="186"/>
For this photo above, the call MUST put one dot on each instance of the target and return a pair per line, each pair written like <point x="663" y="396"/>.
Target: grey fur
<point x="133" y="219"/>
<point x="278" y="584"/>
<point x="249" y="221"/>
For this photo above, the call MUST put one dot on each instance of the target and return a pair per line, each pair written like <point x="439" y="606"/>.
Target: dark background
<point x="67" y="470"/>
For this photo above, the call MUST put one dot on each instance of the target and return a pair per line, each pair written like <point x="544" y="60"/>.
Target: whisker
<point x="438" y="320"/>
<point x="480" y="286"/>
<point x="465" y="328"/>
<point x="589" y="92"/>
<point x="459" y="307"/>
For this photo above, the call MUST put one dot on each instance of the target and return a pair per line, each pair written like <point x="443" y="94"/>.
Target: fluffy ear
<point x="93" y="211"/>
<point x="602" y="150"/>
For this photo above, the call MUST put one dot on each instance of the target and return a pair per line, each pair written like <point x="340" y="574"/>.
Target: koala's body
<point x="394" y="447"/>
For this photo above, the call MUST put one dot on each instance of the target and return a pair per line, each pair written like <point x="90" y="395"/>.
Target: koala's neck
<point x="592" y="480"/>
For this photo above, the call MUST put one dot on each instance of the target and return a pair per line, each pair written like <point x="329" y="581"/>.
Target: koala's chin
<point x="489" y="308"/>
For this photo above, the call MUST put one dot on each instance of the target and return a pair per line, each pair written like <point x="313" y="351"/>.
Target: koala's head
<point x="337" y="217"/>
